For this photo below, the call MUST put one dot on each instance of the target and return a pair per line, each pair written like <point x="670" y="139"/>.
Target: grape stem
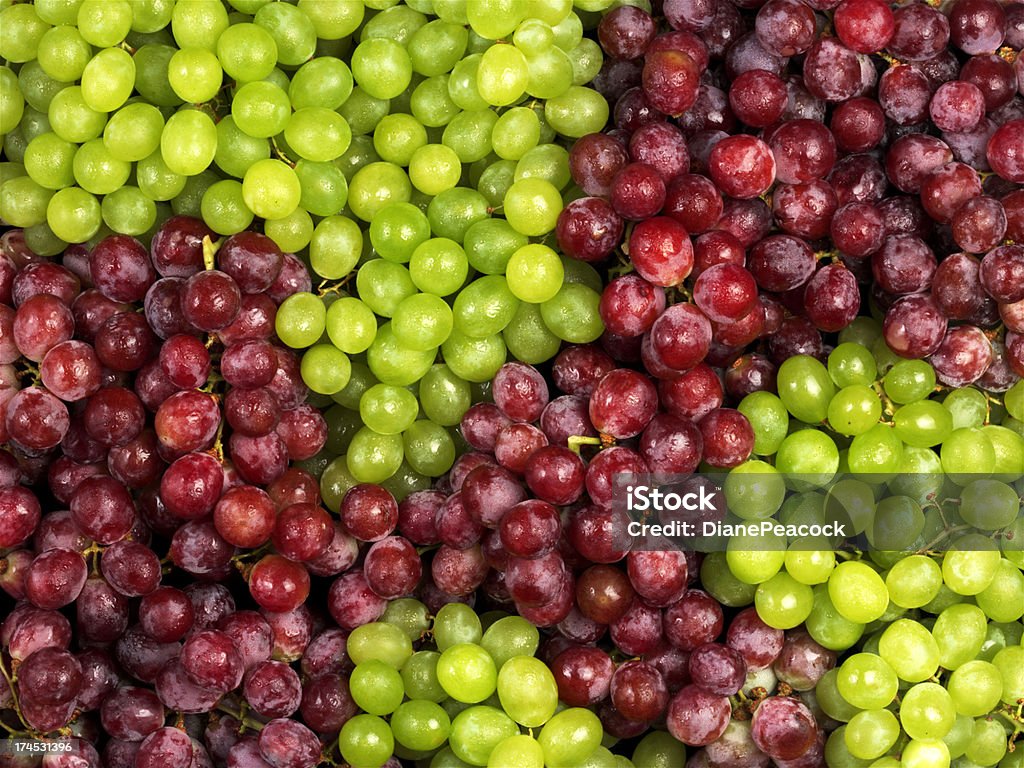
<point x="210" y="249"/>
<point x="15" y="703"/>
<point x="576" y="442"/>
<point x="240" y="715"/>
<point x="944" y="535"/>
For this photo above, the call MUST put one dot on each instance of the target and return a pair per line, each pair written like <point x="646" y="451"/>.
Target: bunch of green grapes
<point x="928" y="606"/>
<point x="477" y="695"/>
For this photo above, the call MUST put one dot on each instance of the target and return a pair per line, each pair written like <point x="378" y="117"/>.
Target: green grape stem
<point x="210" y="249"/>
<point x="240" y="715"/>
<point x="576" y="442"/>
<point x="10" y="677"/>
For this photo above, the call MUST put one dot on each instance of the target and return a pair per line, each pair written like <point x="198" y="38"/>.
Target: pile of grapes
<point x="332" y="330"/>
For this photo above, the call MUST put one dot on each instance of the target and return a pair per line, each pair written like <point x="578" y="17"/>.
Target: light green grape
<point x="975" y="687"/>
<point x="397" y="230"/>
<point x="444" y="396"/>
<point x="830" y="628"/>
<point x="318" y="134"/>
<point x="876" y="453"/>
<point x="484" y="307"/>
<point x="188" y="143"/>
<point x="805" y="388"/>
<point x="434" y="168"/>
<point x="576" y="112"/>
<point x="532" y="206"/>
<point x="867" y="681"/>
<point x="419" y="675"/>
<point x="224" y="209"/>
<point x="783" y="602"/>
<point x="429" y="448"/>
<point x="335" y="247"/>
<point x="970" y="565"/>
<point x="300" y="320"/>
<point x="108" y="80"/>
<point x="808" y="456"/>
<point x="375" y="186"/>
<point x="438" y="266"/>
<point x="502" y="75"/>
<point x="420" y="725"/>
<point x="509" y="637"/>
<point x="810" y="561"/>
<point x="467" y="672"/>
<point x="376" y="687"/>
<point x="476" y="731"/>
<point x="967" y="455"/>
<point x="521" y="751"/>
<point x="366" y="741"/>
<point x="381" y="67"/>
<point x="858" y="592"/>
<point x="515" y="133"/>
<point x="854" y="410"/>
<point x="535" y="273"/>
<point x="910" y="649"/>
<point x="73" y="214"/>
<point x="528" y="338"/>
<point x="372" y="457"/>
<point x="388" y="409"/>
<point x="927" y="711"/>
<point x="872" y="733"/>
<point x="573" y="314"/>
<point x="913" y="581"/>
<point x="769" y="419"/>
<point x="422" y="321"/>
<point x="570" y="736"/>
<point x="527" y="691"/>
<point x="325" y="369"/>
<point x="456" y="623"/>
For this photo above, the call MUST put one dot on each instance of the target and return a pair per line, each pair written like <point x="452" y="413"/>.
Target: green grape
<point x="836" y="753"/>
<point x="923" y="424"/>
<point x="381" y="67"/>
<point x="550" y="74"/>
<point x="446" y="758"/>
<point x="59" y="11"/>
<point x="858" y="592"/>
<point x="104" y="23"/>
<point x="989" y="504"/>
<point x="909" y="381"/>
<point x="260" y="109"/>
<point x="467" y="672"/>
<point x="959" y="632"/>
<point x="975" y="687"/>
<point x="532" y="206"/>
<point x="397" y="230"/>
<point x="195" y="74"/>
<point x="533" y="36"/>
<point x="351" y="325"/>
<point x="335" y="247"/>
<point x="35" y="86"/>
<point x="576" y="112"/>
<point x="754" y="490"/>
<point x="325" y="369"/>
<point x="23" y="202"/>
<point x="387" y="409"/>
<point x="502" y="75"/>
<point x="547" y="161"/>
<point x="375" y="186"/>
<point x="867" y="681"/>
<point x="910" y="649"/>
<point x="768" y="418"/>
<point x="521" y="750"/>
<point x="317" y="133"/>
<point x="63" y="53"/>
<point x="151" y="62"/>
<point x="97" y="171"/>
<point x="198" y="23"/>
<point x="293" y="31"/>
<point x="971" y="564"/>
<point x="429" y="448"/>
<point x="434" y="168"/>
<point x="535" y="273"/>
<point x="805" y="388"/>
<point x="968" y="407"/>
<point x="394" y="363"/>
<point x="831" y="701"/>
<point x="783" y="602"/>
<point x="362" y="111"/>
<point x="913" y="581"/>
<point x="271" y="189"/>
<point x="342" y="423"/>
<point x="927" y="712"/>
<point x="515" y="133"/>
<point x="324" y="190"/>
<point x="291" y="233"/>
<point x="469" y="135"/>
<point x="456" y="623"/>
<point x="437" y="46"/>
<point x="397" y="23"/>
<point x="960" y="735"/>
<point x="876" y="453"/>
<point x="753" y="566"/>
<point x="397" y="137"/>
<point x="438" y="266"/>
<point x="74" y="120"/>
<point x="828" y="627"/>
<point x="988" y="742"/>
<point x="247" y="52"/>
<point x="871" y="733"/>
<point x="967" y="455"/>
<point x="898" y="522"/>
<point x="490" y="243"/>
<point x="422" y="321"/>
<point x="1013" y="400"/>
<point x="1003" y="599"/>
<point x="372" y="457"/>
<point x="366" y="741"/>
<point x="1009" y="662"/>
<point x="1009" y="447"/>
<point x="108" y="80"/>
<point x="484" y="307"/>
<point x="335" y="482"/>
<point x="586" y="60"/>
<point x="573" y="315"/>
<point x="376" y="687"/>
<point x="496" y="19"/>
<point x="807" y="565"/>
<point x="474" y="359"/>
<point x="188" y="144"/>
<point x="527" y="691"/>
<point x="128" y="211"/>
<point x="333" y="21"/>
<point x="189" y="202"/>
<point x="419" y="675"/>
<point x="156" y="180"/>
<point x="808" y="456"/>
<point x="528" y="338"/>
<point x="509" y="637"/>
<point x="476" y="731"/>
<point x="659" y="749"/>
<point x="444" y="396"/>
<point x="224" y="209"/>
<point x="496" y="181"/>
<point x="300" y="320"/>
<point x="454" y="211"/>
<point x="717" y="577"/>
<point x="462" y="87"/>
<point x="854" y="410"/>
<point x="420" y="725"/>
<point x="151" y="16"/>
<point x="73" y="214"/>
<point x="431" y="104"/>
<point x="21" y="33"/>
<point x="325" y="81"/>
<point x="133" y="132"/>
<point x="570" y="736"/>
